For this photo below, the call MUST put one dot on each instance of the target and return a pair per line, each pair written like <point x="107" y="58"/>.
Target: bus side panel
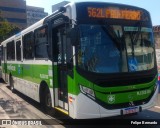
<point x="42" y="73"/>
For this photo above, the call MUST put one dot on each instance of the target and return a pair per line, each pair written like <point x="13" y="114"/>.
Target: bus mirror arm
<point x="73" y="35"/>
<point x="70" y="69"/>
<point x="69" y="65"/>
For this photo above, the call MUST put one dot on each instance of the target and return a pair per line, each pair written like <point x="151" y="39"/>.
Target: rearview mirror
<point x="73" y="34"/>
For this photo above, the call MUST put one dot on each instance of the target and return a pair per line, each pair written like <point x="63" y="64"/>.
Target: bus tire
<point x="48" y="103"/>
<point x="11" y="84"/>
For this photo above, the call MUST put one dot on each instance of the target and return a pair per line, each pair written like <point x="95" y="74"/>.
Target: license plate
<point x="130" y="110"/>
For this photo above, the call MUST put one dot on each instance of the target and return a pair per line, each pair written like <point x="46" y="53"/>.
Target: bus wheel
<point x="11" y="83"/>
<point x="48" y="103"/>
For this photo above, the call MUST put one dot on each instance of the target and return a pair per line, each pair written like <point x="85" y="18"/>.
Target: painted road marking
<point x="157" y="107"/>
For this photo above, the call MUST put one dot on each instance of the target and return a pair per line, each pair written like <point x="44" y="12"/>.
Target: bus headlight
<point x="87" y="91"/>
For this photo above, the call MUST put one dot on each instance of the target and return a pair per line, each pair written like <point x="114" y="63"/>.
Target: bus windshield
<point x="115" y="48"/>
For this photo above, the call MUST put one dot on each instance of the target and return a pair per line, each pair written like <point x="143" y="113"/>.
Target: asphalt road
<point x="17" y="106"/>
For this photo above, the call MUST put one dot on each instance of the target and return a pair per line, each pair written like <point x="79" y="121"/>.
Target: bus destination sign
<point x="115" y="13"/>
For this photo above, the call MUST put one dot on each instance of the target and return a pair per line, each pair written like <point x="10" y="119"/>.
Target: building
<point x="14" y="11"/>
<point x="58" y="5"/>
<point x="34" y="14"/>
<point x="156" y="30"/>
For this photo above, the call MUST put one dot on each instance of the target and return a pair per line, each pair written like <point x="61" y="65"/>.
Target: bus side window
<point x="18" y="49"/>
<point x="55" y="44"/>
<point x="11" y="51"/>
<point x="1" y="53"/>
<point x="28" y="46"/>
<point x="41" y="42"/>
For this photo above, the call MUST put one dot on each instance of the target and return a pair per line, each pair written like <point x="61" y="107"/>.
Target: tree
<point x="7" y="29"/>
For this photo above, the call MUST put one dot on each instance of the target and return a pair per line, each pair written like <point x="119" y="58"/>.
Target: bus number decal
<point x="12" y="68"/>
<point x="143" y="92"/>
<point x="43" y="76"/>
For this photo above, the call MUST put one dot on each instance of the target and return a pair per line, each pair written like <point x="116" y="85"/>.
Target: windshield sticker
<point x="146" y="29"/>
<point x="130" y="29"/>
<point x="132" y="64"/>
<point x="143" y="29"/>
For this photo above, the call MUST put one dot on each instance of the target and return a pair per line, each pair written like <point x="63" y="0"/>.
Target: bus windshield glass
<point x="114" y="38"/>
<point x="115" y="48"/>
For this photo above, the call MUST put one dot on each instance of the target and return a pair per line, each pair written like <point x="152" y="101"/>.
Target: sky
<point x="153" y="6"/>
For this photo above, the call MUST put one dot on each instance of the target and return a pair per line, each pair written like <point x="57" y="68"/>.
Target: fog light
<point x="87" y="91"/>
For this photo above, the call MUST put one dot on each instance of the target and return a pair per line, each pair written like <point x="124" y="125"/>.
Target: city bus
<point x="86" y="60"/>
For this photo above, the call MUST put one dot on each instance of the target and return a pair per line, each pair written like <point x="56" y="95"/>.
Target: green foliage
<point x="7" y="29"/>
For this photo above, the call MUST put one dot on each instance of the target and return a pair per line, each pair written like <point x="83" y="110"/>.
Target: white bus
<point x="85" y="60"/>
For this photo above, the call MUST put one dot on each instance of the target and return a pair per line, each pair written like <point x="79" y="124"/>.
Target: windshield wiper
<point x="135" y="35"/>
<point x="113" y="36"/>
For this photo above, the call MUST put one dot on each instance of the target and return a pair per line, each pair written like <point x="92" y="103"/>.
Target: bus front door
<point x="62" y="70"/>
